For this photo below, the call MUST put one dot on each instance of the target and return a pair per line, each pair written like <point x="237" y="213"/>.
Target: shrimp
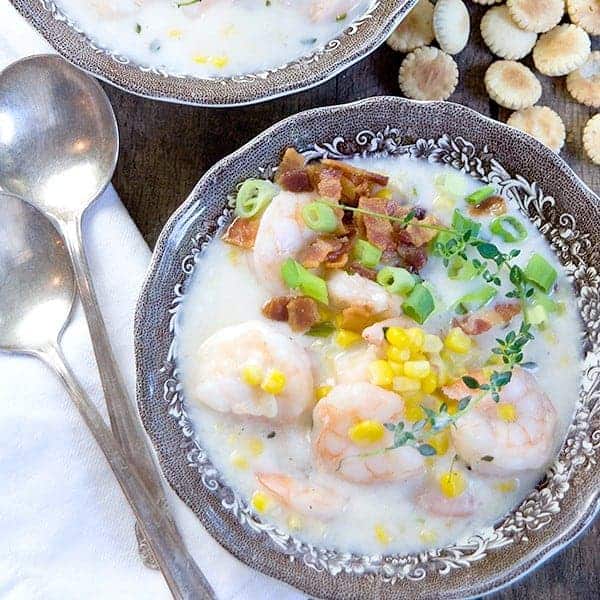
<point x="321" y="10"/>
<point x="374" y="333"/>
<point x="522" y="440"/>
<point x="217" y="380"/>
<point x="433" y="501"/>
<point x="355" y="290"/>
<point x="351" y="366"/>
<point x="282" y="233"/>
<point x="302" y="496"/>
<point x="345" y="406"/>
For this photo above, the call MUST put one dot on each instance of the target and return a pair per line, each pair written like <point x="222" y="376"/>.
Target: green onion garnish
<point x="461" y="269"/>
<point x="536" y="315"/>
<point x="419" y="304"/>
<point x="463" y="224"/>
<point x="478" y="196"/>
<point x="475" y="300"/>
<point x="509" y="229"/>
<point x="544" y="300"/>
<point x="540" y="272"/>
<point x="396" y="280"/>
<point x="296" y="277"/>
<point x="319" y="216"/>
<point x="367" y="254"/>
<point x="324" y="329"/>
<point x="253" y="196"/>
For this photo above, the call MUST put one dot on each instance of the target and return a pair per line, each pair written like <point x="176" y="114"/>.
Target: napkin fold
<point x="66" y="531"/>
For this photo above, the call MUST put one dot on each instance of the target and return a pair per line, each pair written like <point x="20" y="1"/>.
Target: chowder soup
<point x="213" y="38"/>
<point x="379" y="355"/>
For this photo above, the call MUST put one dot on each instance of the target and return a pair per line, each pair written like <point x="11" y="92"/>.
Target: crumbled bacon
<point x="378" y="230"/>
<point x="411" y="257"/>
<point x="492" y="206"/>
<point x="415" y="235"/>
<point x="276" y="308"/>
<point x="291" y="160"/>
<point x="303" y="313"/>
<point x="329" y="184"/>
<point x="355" y="174"/>
<point x="484" y="319"/>
<point x="356" y="268"/>
<point x="242" y="232"/>
<point x="292" y="174"/>
<point x="317" y="252"/>
<point x="356" y="318"/>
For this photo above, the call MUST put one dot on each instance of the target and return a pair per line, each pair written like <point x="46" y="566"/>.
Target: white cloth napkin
<point x="65" y="529"/>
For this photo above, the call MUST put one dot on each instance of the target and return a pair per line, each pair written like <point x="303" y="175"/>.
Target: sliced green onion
<point x="367" y="254"/>
<point x="451" y="184"/>
<point x="419" y="304"/>
<point x="541" y="299"/>
<point x="475" y="300"/>
<point x="462" y="270"/>
<point x="509" y="229"/>
<point x="396" y="280"/>
<point x="298" y="278"/>
<point x="324" y="329"/>
<point x="319" y="216"/>
<point x="540" y="272"/>
<point x="478" y="196"/>
<point x="536" y="315"/>
<point x="253" y="196"/>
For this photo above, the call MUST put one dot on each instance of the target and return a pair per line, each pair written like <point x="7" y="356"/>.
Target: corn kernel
<point x="238" y="460"/>
<point x="346" y="338"/>
<point x="274" y="382"/>
<point x="200" y="59"/>
<point x="260" y="501"/>
<point x="458" y="341"/>
<point x="413" y="411"/>
<point x="432" y="343"/>
<point x="398" y="337"/>
<point x="452" y="484"/>
<point x="366" y="432"/>
<point x="417" y="369"/>
<point x="219" y="61"/>
<point x="452" y="405"/>
<point x="416" y="338"/>
<point x="507" y="412"/>
<point x="427" y="536"/>
<point x="429" y="384"/>
<point x="255" y="446"/>
<point x="252" y="374"/>
<point x="322" y="391"/>
<point x="294" y="523"/>
<point x="405" y="384"/>
<point x="381" y="535"/>
<point x="397" y="368"/>
<point x="175" y="34"/>
<point x="233" y="438"/>
<point x="397" y="354"/>
<point x="380" y="373"/>
<point x="384" y="193"/>
<point x="507" y="487"/>
<point x="440" y="441"/>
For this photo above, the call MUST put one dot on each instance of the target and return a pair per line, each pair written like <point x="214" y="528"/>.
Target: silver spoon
<point x="58" y="149"/>
<point x="37" y="291"/>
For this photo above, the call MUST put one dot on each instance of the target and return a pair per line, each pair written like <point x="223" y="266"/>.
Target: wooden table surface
<point x="165" y="149"/>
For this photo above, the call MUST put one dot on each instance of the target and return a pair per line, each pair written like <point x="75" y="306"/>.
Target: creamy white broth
<point x="224" y="291"/>
<point x="213" y="38"/>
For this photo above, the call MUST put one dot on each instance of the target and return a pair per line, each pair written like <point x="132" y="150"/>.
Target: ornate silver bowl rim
<point x="360" y="38"/>
<point x="545" y="190"/>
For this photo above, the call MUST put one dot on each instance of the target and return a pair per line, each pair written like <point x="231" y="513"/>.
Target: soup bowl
<point x="356" y="41"/>
<point x="545" y="190"/>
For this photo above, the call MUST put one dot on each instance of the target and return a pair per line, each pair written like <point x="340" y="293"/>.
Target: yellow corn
<point x="255" y="446"/>
<point x="507" y="412"/>
<point x="440" y="441"/>
<point x="274" y="382"/>
<point x="429" y="383"/>
<point x="458" y="341"/>
<point x="380" y="373"/>
<point x="175" y="34"/>
<point x="398" y="337"/>
<point x="397" y="354"/>
<point x="427" y="536"/>
<point x="385" y="193"/>
<point x="381" y="535"/>
<point x="260" y="501"/>
<point x="200" y="59"/>
<point x="432" y="343"/>
<point x="252" y="374"/>
<point x="406" y="384"/>
<point x="346" y="338"/>
<point x="294" y="523"/>
<point x="397" y="368"/>
<point x="416" y="338"/>
<point x="238" y="460"/>
<point x="219" y="61"/>
<point x="413" y="411"/>
<point x="322" y="391"/>
<point x="366" y="432"/>
<point x="417" y="369"/>
<point x="507" y="487"/>
<point x="452" y="484"/>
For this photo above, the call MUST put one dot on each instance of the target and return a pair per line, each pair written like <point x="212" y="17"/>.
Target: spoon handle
<point x="184" y="578"/>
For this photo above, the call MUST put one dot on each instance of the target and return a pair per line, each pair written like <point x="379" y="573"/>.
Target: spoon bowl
<point x="59" y="140"/>
<point x="38" y="288"/>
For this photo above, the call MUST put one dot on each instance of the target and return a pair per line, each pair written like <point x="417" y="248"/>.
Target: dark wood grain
<point x="166" y="148"/>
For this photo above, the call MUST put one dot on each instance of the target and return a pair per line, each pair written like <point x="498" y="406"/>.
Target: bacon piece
<point x="329" y="184"/>
<point x="356" y="267"/>
<point x="303" y="313"/>
<point x="242" y="232"/>
<point x="486" y="318"/>
<point x="492" y="206"/>
<point x="317" y="252"/>
<point x="357" y="318"/>
<point x="276" y="308"/>
<point x="291" y="174"/>
<point x="354" y="174"/>
<point x="291" y="160"/>
<point x="411" y="257"/>
<point x="413" y="234"/>
<point x="378" y="230"/>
